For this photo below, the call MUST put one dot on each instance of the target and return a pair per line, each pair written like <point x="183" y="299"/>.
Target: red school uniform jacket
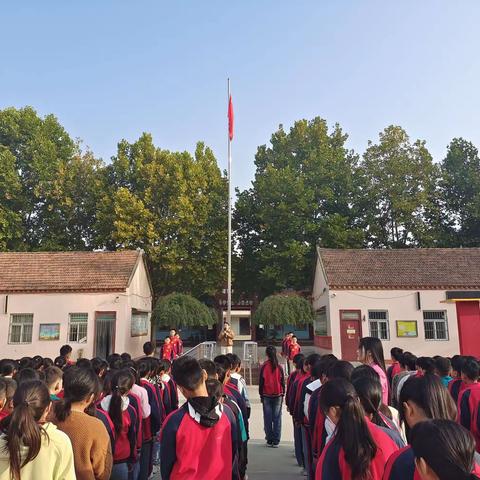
<point x="271" y="382"/>
<point x="293" y="349"/>
<point x="468" y="407"/>
<point x="167" y="351"/>
<point x="333" y="465"/>
<point x="456" y="387"/>
<point x="191" y="451"/>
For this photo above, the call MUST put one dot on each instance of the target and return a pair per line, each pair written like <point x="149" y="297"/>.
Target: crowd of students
<point x="418" y="419"/>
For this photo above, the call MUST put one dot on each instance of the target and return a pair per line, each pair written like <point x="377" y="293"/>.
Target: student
<point x="197" y="441"/>
<point x="287" y="339"/>
<point x="30" y="447"/>
<point x="370" y="352"/>
<point x="226" y="338"/>
<point x="125" y="420"/>
<point x="60" y="362"/>
<point x="357" y="449"/>
<point x="369" y="391"/>
<point x="456" y="385"/>
<point x="90" y="440"/>
<point x="178" y="344"/>
<point x="8" y="368"/>
<point x="54" y="381"/>
<point x="443" y="450"/>
<point x="272" y="390"/>
<point x="26" y="375"/>
<point x="443" y="368"/>
<point x="422" y="398"/>
<point x="293" y="349"/>
<point x="164" y="368"/>
<point x="237" y="379"/>
<point x="425" y="366"/>
<point x="469" y="399"/>
<point x="408" y="363"/>
<point x="66" y="353"/>
<point x="11" y="387"/>
<point x="3" y="394"/>
<point x="149" y="349"/>
<point x="166" y="352"/>
<point x="394" y="369"/>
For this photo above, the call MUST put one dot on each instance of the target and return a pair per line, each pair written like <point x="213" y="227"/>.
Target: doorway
<point x="468" y="315"/>
<point x="350" y="333"/>
<point x="105" y="323"/>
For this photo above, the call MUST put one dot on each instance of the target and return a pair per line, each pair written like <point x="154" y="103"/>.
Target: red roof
<point x="419" y="268"/>
<point x="67" y="271"/>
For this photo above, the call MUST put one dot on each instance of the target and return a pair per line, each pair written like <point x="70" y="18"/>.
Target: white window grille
<point x="21" y="328"/>
<point x="378" y="322"/>
<point x="78" y="325"/>
<point x="435" y="324"/>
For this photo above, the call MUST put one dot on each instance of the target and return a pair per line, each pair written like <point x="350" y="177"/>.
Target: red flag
<point x="230" y="119"/>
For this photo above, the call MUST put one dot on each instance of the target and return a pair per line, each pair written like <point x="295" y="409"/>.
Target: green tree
<point x="173" y="205"/>
<point x="460" y="193"/>
<point x="55" y="184"/>
<point x="398" y="185"/>
<point x="283" y="310"/>
<point x="303" y="194"/>
<point x="179" y="310"/>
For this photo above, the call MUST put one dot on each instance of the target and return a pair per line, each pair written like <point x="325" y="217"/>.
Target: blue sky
<point x="112" y="69"/>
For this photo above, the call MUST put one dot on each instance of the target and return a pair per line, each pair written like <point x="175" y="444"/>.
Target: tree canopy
<point x="283" y="310"/>
<point x="181" y="310"/>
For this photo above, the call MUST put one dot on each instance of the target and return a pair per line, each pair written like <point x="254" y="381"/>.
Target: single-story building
<point x="425" y="301"/>
<point x="98" y="302"/>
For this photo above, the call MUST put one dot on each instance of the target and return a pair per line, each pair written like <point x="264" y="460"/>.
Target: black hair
<point x="79" y="384"/>
<point x="3" y="390"/>
<point x="114" y="361"/>
<point x="352" y="431"/>
<point x="340" y="369"/>
<point x="144" y="368"/>
<point x="30" y="401"/>
<point x="471" y="369"/>
<point x="47" y="362"/>
<point x="164" y="365"/>
<point x="321" y="368"/>
<point x="395" y="353"/>
<point x="84" y="363"/>
<point x="148" y="348"/>
<point x="374" y="346"/>
<point x="294" y="336"/>
<point x="408" y="360"/>
<point x="430" y="395"/>
<point x="443" y="366"/>
<point x="235" y="359"/>
<point x="446" y="447"/>
<point x="214" y="388"/>
<point x="457" y="363"/>
<point x="26" y="375"/>
<point x="122" y="383"/>
<point x="369" y="391"/>
<point x="224" y="361"/>
<point x="60" y="362"/>
<point x="25" y="362"/>
<point x="8" y="367"/>
<point x="221" y="372"/>
<point x="427" y="364"/>
<point x="187" y="372"/>
<point x="65" y="350"/>
<point x="37" y="362"/>
<point x="298" y="360"/>
<point x="125" y="357"/>
<point x="271" y="353"/>
<point x="208" y="366"/>
<point x="99" y="365"/>
<point x="364" y="371"/>
<point x="11" y="388"/>
<point x="53" y="375"/>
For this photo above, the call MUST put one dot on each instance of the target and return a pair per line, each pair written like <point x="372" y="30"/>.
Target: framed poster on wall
<point x="49" y="331"/>
<point x="139" y="327"/>
<point x="407" y="328"/>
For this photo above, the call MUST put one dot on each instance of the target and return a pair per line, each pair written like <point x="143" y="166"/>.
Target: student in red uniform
<point x="272" y="390"/>
<point x="173" y="342"/>
<point x="443" y="450"/>
<point x="293" y="348"/>
<point x="171" y="394"/>
<point x="166" y="352"/>
<point x="197" y="441"/>
<point x="287" y="340"/>
<point x="422" y="398"/>
<point x="394" y="368"/>
<point x="66" y="353"/>
<point x="358" y="449"/>
<point x="370" y="352"/>
<point x="11" y="387"/>
<point x="456" y="385"/>
<point x="124" y="419"/>
<point x="179" y="344"/>
<point x="3" y="394"/>
<point x="469" y="400"/>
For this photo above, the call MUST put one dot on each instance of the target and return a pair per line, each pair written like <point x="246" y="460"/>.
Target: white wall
<point x="56" y="307"/>
<point x="401" y="305"/>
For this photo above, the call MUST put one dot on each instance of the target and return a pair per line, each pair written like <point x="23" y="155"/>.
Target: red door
<point x="350" y="333"/>
<point x="468" y="315"/>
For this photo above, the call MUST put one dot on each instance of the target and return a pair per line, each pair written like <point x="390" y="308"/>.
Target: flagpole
<point x="229" y="280"/>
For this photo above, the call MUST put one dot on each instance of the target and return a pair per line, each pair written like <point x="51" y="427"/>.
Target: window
<point x="378" y="321"/>
<point x="435" y="323"/>
<point x="77" y="331"/>
<point x="21" y="327"/>
<point x="321" y="327"/>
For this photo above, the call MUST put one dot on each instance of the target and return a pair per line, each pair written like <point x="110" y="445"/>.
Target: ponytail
<point x="30" y="402"/>
<point x="122" y="383"/>
<point x="369" y="391"/>
<point x="352" y="431"/>
<point x="271" y="353"/>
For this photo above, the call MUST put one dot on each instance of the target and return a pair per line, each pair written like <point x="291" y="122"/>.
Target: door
<point x="104" y="334"/>
<point x="350" y="333"/>
<point x="468" y="316"/>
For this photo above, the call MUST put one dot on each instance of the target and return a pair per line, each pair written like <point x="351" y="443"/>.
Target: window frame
<point x="435" y="321"/>
<point x="77" y="324"/>
<point x="21" y="324"/>
<point x="378" y="321"/>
